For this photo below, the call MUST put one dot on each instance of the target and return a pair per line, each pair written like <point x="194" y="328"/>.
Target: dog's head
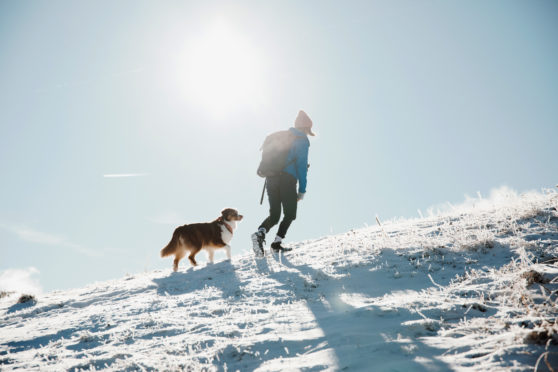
<point x="230" y="214"/>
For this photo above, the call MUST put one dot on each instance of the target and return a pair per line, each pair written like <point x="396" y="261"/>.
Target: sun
<point x="223" y="71"/>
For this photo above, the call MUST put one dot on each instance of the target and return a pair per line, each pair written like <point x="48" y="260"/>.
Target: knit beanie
<point x="304" y="123"/>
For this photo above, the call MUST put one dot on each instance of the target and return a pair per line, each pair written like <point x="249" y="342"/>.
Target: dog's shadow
<point x="220" y="275"/>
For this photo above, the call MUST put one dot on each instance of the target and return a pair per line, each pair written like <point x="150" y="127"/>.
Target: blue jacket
<point x="299" y="152"/>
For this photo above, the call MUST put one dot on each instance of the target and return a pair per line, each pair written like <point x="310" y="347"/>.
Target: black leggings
<point x="281" y="191"/>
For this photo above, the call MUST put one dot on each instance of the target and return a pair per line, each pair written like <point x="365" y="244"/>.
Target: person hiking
<point x="281" y="183"/>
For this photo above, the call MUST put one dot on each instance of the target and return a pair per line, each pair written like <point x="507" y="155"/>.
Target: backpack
<point x="275" y="151"/>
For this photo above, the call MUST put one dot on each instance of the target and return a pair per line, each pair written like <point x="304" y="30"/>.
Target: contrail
<point x="121" y="175"/>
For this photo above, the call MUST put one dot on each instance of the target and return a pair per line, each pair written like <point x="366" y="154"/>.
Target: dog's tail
<point x="171" y="247"/>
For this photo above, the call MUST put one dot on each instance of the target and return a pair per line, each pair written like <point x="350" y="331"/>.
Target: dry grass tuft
<point x="533" y="276"/>
<point x="5" y="294"/>
<point x="541" y="337"/>
<point x="26" y="298"/>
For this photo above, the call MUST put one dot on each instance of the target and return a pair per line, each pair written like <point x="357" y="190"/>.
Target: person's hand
<point x="300" y="196"/>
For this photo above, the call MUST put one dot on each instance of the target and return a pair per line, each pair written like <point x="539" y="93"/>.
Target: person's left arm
<point x="302" y="165"/>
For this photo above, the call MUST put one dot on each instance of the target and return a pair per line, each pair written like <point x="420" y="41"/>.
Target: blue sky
<point x="414" y="102"/>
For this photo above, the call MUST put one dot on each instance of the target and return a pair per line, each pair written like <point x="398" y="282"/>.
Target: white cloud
<point x="33" y="236"/>
<point x="29" y="235"/>
<point x="20" y="281"/>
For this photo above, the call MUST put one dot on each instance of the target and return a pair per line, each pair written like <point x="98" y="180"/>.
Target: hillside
<point x="474" y="288"/>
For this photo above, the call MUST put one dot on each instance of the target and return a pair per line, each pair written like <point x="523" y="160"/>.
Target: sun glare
<point x="223" y="72"/>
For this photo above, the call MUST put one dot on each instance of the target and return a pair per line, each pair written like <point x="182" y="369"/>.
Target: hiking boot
<point x="277" y="247"/>
<point x="258" y="243"/>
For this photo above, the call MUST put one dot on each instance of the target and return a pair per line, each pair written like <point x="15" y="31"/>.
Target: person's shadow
<point x="355" y="331"/>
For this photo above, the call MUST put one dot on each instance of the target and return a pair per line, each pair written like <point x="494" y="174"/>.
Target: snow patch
<point x="474" y="288"/>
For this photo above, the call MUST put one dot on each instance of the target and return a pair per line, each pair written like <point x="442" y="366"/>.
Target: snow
<point x="472" y="288"/>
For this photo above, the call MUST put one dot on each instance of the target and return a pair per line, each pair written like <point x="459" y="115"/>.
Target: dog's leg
<point x="177" y="259"/>
<point x="228" y="251"/>
<point x="178" y="254"/>
<point x="210" y="254"/>
<point x="192" y="257"/>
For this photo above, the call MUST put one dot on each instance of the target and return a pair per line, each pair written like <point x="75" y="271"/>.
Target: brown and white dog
<point x="194" y="237"/>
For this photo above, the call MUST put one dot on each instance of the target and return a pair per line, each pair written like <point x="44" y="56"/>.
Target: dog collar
<point x="228" y="227"/>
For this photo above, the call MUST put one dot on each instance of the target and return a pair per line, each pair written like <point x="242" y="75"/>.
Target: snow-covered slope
<point x="471" y="289"/>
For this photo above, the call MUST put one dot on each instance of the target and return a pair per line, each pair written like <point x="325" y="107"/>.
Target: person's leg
<point x="289" y="202"/>
<point x="274" y="196"/>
